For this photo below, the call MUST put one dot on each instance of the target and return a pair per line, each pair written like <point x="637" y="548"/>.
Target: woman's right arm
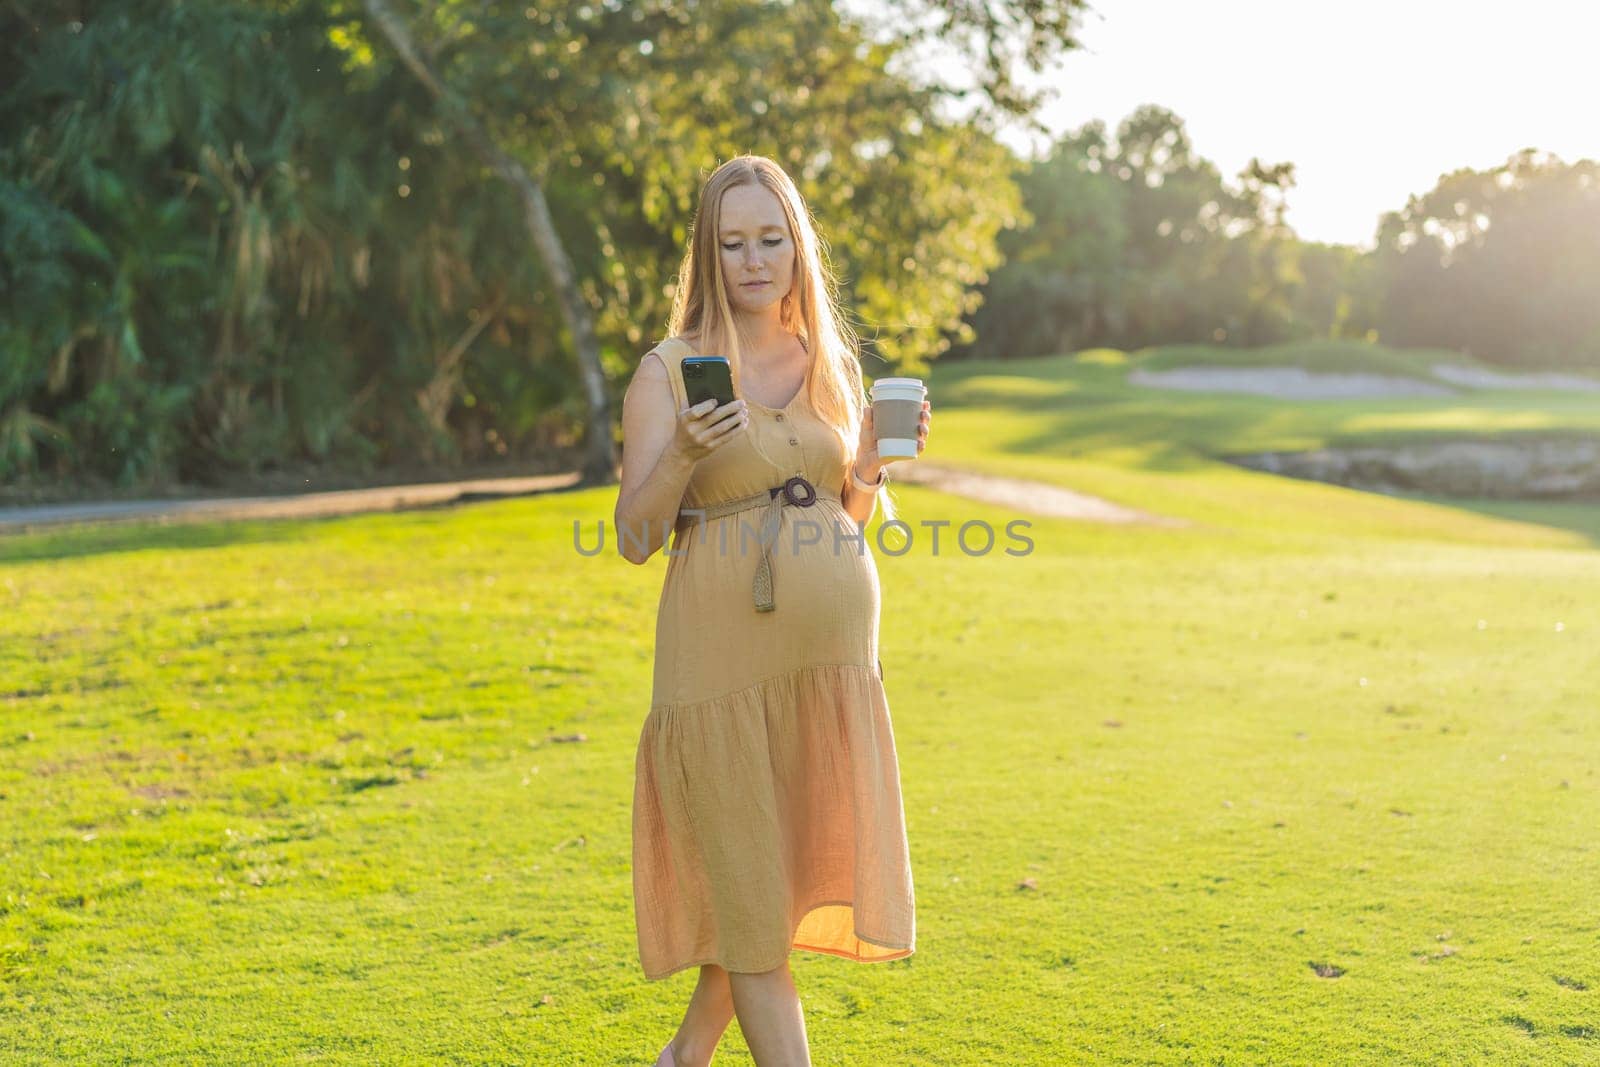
<point x="660" y="447"/>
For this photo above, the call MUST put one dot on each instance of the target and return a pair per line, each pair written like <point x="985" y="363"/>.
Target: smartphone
<point x="707" y="378"/>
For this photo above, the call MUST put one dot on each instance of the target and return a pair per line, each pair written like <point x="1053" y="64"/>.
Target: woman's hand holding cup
<point x="908" y="417"/>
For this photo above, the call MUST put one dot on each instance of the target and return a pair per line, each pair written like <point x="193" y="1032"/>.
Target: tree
<point x="1502" y="263"/>
<point x="1137" y="240"/>
<point x="600" y="457"/>
<point x="994" y="39"/>
<point x="653" y="94"/>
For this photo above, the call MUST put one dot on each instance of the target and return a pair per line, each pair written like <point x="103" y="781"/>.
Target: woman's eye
<point x="771" y="242"/>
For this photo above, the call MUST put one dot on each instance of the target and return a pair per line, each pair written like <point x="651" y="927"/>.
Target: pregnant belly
<point x="825" y="589"/>
<point x="821" y="569"/>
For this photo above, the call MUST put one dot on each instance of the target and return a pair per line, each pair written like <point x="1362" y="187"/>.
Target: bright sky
<point x="1371" y="100"/>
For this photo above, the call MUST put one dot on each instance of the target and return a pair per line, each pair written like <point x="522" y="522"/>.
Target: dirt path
<point x="296" y="506"/>
<point x="1032" y="498"/>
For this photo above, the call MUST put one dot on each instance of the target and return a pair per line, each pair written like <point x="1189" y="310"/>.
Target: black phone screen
<point x="707" y="378"/>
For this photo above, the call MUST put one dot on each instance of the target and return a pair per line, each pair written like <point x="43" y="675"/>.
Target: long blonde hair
<point x="811" y="311"/>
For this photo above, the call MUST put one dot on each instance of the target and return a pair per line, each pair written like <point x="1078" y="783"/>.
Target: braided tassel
<point x="769" y="536"/>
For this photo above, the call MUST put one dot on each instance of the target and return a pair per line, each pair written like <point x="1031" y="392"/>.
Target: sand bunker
<point x="1479" y="378"/>
<point x="1297" y="383"/>
<point x="1285" y="383"/>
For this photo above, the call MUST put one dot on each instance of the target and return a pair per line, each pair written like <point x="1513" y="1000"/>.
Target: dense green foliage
<point x="227" y="248"/>
<point x="238" y="235"/>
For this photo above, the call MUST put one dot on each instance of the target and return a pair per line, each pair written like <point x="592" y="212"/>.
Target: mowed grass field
<point x="1311" y="779"/>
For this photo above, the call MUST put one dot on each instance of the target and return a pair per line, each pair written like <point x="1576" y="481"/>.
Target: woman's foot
<point x="676" y="1055"/>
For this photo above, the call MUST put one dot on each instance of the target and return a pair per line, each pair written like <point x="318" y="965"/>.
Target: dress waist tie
<point x="796" y="491"/>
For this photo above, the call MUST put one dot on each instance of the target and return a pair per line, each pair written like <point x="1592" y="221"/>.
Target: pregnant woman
<point x="767" y="813"/>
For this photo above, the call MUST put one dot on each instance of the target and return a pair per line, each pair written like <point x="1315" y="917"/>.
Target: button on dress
<point x="767" y="813"/>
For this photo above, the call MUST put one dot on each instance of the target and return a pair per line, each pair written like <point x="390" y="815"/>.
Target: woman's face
<point x="756" y="246"/>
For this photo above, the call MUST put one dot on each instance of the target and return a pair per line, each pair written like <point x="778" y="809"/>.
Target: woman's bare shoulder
<point x="661" y="350"/>
<point x="678" y="345"/>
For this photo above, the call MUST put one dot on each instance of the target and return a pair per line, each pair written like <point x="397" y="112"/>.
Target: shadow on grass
<point x="1580" y="517"/>
<point x="96" y="539"/>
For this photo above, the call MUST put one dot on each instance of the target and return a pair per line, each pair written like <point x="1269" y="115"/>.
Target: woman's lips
<point x="752" y="285"/>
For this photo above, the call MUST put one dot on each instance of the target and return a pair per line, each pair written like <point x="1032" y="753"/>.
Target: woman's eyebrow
<point x="740" y="233"/>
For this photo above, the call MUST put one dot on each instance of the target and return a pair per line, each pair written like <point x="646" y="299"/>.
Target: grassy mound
<point x="358" y="790"/>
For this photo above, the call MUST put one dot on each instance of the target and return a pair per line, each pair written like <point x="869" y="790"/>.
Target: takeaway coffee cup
<point x="896" y="414"/>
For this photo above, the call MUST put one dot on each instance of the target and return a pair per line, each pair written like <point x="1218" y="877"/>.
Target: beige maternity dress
<point x="767" y="812"/>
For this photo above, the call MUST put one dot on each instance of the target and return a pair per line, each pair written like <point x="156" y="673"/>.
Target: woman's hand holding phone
<point x="706" y="427"/>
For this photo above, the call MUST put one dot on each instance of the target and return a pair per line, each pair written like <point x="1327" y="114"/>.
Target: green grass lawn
<point x="1310" y="780"/>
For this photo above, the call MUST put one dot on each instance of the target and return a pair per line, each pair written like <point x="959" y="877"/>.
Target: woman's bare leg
<point x="771" y="1018"/>
<point x="709" y="1013"/>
